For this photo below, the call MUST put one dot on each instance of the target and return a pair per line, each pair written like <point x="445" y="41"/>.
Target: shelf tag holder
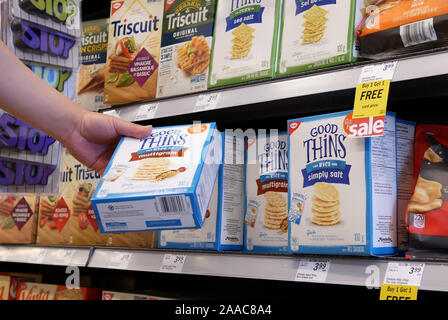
<point x="402" y="281"/>
<point x="312" y="270"/>
<point x="173" y="263"/>
<point x="146" y="112"/>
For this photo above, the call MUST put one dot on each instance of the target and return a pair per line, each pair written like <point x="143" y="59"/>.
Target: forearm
<point x="26" y="96"/>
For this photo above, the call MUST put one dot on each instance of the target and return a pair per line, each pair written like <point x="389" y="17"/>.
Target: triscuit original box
<point x="244" y="42"/>
<point x="68" y="218"/>
<point x="266" y="209"/>
<point x="163" y="181"/>
<point x="135" y="31"/>
<point x="342" y="190"/>
<point x="223" y="225"/>
<point x="18" y="216"/>
<point x="316" y="34"/>
<point x="186" y="46"/>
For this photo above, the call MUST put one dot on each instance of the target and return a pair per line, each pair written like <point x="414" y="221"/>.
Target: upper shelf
<point x="424" y="65"/>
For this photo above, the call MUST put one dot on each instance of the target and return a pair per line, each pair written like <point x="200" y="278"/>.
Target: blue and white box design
<point x="342" y="190"/>
<point x="164" y="181"/>
<point x="266" y="205"/>
<point x="223" y="225"/>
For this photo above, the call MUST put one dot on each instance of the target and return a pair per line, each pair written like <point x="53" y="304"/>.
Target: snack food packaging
<point x="244" y="41"/>
<point x="186" y="46"/>
<point x="223" y="225"/>
<point x="83" y="293"/>
<point x="18" y="216"/>
<point x="266" y="204"/>
<point x="8" y="287"/>
<point x="114" y="295"/>
<point x="317" y="34"/>
<point x="163" y="181"/>
<point x="36" y="291"/>
<point x="67" y="217"/>
<point x="133" y="53"/>
<point x="342" y="190"/>
<point x="394" y="27"/>
<point x="427" y="208"/>
<point x="405" y="173"/>
<point x="91" y="77"/>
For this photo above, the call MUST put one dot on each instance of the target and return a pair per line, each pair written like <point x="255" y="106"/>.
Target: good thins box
<point x="163" y="181"/>
<point x="316" y="34"/>
<point x="342" y="190"/>
<point x="186" y="46"/>
<point x="244" y="42"/>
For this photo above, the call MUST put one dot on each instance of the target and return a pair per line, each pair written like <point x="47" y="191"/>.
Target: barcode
<point x="171" y="204"/>
<point x="418" y="32"/>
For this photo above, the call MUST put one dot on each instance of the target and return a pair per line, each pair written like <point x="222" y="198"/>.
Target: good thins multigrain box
<point x="163" y="181"/>
<point x="342" y="190"/>
<point x="133" y="53"/>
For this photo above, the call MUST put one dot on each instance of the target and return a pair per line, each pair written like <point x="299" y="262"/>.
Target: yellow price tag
<point x="398" y="292"/>
<point x="371" y="99"/>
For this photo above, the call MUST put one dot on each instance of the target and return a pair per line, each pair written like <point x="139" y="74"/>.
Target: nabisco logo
<point x="108" y="295"/>
<point x="293" y="125"/>
<point x="116" y="6"/>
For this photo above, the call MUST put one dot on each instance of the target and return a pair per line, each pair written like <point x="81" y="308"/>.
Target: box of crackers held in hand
<point x="68" y="218"/>
<point x="244" y="42"/>
<point x="342" y="190"/>
<point x="266" y="205"/>
<point x="186" y="46"/>
<point x="223" y="225"/>
<point x="163" y="181"/>
<point x="317" y="34"/>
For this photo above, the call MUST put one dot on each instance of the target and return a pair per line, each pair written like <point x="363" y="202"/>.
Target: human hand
<point x="96" y="136"/>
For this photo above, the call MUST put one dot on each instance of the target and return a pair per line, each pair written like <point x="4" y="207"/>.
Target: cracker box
<point x="8" y="287"/>
<point x="163" y="181"/>
<point x="133" y="52"/>
<point x="186" y="46"/>
<point x="90" y="88"/>
<point x="266" y="205"/>
<point x="114" y="295"/>
<point x="342" y="190"/>
<point x="36" y="291"/>
<point x="317" y="34"/>
<point x="68" y="218"/>
<point x="244" y="42"/>
<point x="223" y="225"/>
<point x="18" y="216"/>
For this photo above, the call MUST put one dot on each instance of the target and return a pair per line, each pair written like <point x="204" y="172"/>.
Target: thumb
<point x="129" y="129"/>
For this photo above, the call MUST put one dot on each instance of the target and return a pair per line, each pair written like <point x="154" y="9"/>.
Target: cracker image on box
<point x="266" y="214"/>
<point x="186" y="46"/>
<point x="342" y="190"/>
<point x="244" y="41"/>
<point x="314" y="25"/>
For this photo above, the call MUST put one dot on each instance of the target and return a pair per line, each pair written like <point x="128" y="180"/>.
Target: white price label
<point x="377" y="72"/>
<point x="4" y="253"/>
<point x="173" y="263"/>
<point x="311" y="270"/>
<point x="146" y="112"/>
<point x="120" y="260"/>
<point x="64" y="256"/>
<point x="404" y="273"/>
<point x="113" y="113"/>
<point x="207" y="102"/>
<point x="38" y="255"/>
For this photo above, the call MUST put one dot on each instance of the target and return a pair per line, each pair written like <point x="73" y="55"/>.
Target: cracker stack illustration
<point x="276" y="210"/>
<point x="242" y="41"/>
<point x="325" y="204"/>
<point x="151" y="168"/>
<point x="315" y="25"/>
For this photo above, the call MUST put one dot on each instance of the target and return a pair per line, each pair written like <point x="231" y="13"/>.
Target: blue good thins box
<point x="223" y="225"/>
<point x="342" y="190"/>
<point x="164" y="181"/>
<point x="266" y="204"/>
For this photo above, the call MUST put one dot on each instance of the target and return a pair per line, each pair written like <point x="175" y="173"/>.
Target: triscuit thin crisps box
<point x="135" y="32"/>
<point x="244" y="42"/>
<point x="186" y="46"/>
<point x="223" y="224"/>
<point x="342" y="190"/>
<point x="266" y="209"/>
<point x="163" y="181"/>
<point x="316" y="34"/>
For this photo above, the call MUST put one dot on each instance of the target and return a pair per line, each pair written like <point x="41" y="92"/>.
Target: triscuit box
<point x="186" y="46"/>
<point x="18" y="216"/>
<point x="266" y="209"/>
<point x="316" y="34"/>
<point x="342" y="190"/>
<point x="163" y="181"/>
<point x="135" y="31"/>
<point x="223" y="224"/>
<point x="244" y="42"/>
<point x="68" y="218"/>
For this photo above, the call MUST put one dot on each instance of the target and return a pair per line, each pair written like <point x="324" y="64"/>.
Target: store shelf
<point x="352" y="271"/>
<point x="56" y="256"/>
<point x="429" y="64"/>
